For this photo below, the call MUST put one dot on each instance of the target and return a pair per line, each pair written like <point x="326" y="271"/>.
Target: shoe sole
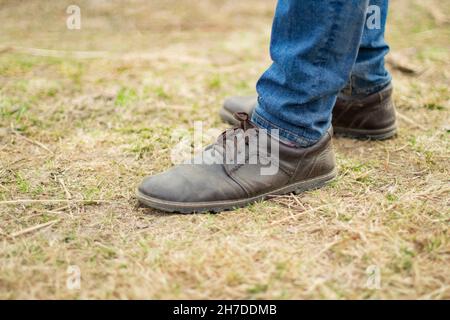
<point x="219" y="206"/>
<point x="378" y="134"/>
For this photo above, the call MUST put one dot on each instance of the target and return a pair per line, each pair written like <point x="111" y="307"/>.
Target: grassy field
<point x="83" y="121"/>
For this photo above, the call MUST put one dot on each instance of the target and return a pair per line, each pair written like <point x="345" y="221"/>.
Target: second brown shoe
<point x="363" y="117"/>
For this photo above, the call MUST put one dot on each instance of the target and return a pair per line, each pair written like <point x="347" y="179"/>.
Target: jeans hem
<point x="352" y="91"/>
<point x="300" y="139"/>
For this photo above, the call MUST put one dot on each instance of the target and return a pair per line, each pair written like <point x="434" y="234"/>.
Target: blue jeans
<point x="320" y="48"/>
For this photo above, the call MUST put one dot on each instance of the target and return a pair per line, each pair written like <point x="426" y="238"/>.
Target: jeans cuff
<point x="353" y="90"/>
<point x="297" y="135"/>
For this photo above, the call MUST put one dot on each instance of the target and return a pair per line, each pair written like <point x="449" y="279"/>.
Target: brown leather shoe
<point x="221" y="185"/>
<point x="370" y="117"/>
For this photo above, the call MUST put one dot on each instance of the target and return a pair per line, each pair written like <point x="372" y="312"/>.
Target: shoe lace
<point x="231" y="139"/>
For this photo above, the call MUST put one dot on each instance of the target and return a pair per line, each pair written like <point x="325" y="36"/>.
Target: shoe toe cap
<point x="157" y="186"/>
<point x="191" y="183"/>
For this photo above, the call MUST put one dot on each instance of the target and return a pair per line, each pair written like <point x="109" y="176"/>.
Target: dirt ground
<point x="86" y="114"/>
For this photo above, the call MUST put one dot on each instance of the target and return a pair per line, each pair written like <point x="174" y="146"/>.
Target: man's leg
<point x="314" y="48"/>
<point x="369" y="74"/>
<point x="368" y="86"/>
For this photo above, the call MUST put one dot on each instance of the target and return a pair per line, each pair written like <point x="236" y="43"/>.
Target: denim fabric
<point x="369" y="74"/>
<point x="319" y="48"/>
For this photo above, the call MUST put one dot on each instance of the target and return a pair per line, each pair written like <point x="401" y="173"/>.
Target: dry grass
<point x="74" y="131"/>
